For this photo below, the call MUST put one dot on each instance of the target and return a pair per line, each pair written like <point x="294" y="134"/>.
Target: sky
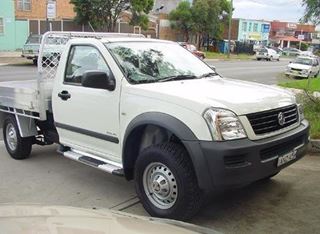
<point x="284" y="10"/>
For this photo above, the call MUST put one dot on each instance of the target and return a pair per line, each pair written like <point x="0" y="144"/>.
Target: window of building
<point x="24" y="5"/>
<point x="244" y="26"/>
<point x="250" y="27"/>
<point x="1" y="26"/>
<point x="255" y="27"/>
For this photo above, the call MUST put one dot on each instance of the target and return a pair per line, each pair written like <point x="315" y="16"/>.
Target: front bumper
<point x="298" y="74"/>
<point x="29" y="56"/>
<point x="241" y="162"/>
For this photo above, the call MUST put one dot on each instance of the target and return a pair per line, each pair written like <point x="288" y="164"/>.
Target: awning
<point x="287" y="38"/>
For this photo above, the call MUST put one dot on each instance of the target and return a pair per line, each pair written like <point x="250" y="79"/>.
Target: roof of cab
<point x="132" y="39"/>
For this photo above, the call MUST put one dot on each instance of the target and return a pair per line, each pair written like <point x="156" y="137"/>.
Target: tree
<point x="181" y="19"/>
<point x="312" y="12"/>
<point x="103" y="14"/>
<point x="208" y="18"/>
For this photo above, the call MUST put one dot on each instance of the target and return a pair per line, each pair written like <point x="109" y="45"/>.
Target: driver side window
<point x="81" y="59"/>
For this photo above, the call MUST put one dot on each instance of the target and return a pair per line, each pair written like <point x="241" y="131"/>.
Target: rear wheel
<point x="166" y="183"/>
<point x="17" y="146"/>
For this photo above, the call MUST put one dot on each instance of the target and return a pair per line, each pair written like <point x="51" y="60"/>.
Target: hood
<point x="60" y="219"/>
<point x="299" y="66"/>
<point x="238" y="96"/>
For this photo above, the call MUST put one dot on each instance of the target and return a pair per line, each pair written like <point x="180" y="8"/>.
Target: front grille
<point x="296" y="69"/>
<point x="281" y="149"/>
<point x="268" y="121"/>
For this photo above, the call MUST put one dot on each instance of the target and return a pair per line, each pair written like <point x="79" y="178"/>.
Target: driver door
<point x="87" y="119"/>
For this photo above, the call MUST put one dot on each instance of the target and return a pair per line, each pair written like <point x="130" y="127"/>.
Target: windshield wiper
<point x="208" y="75"/>
<point x="178" y="77"/>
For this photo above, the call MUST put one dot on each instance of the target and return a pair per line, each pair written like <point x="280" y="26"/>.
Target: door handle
<point x="64" y="95"/>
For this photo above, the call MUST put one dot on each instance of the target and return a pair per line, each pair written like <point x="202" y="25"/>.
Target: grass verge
<point x="213" y="55"/>
<point x="302" y="84"/>
<point x="311" y="105"/>
<point x="312" y="114"/>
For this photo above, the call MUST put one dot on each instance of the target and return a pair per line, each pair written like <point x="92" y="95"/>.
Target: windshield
<point x="34" y="39"/>
<point x="304" y="61"/>
<point x="146" y="62"/>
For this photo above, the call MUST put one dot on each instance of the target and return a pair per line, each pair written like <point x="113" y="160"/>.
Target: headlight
<point x="224" y="125"/>
<point x="288" y="68"/>
<point x="301" y="112"/>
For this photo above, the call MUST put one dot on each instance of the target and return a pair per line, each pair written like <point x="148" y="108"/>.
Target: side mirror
<point x="290" y="61"/>
<point x="98" y="80"/>
<point x="213" y="68"/>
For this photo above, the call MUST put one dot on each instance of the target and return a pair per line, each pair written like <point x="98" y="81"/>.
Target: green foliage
<point x="204" y="17"/>
<point x="312" y="12"/>
<point x="304" y="46"/>
<point x="103" y="14"/>
<point x="181" y="18"/>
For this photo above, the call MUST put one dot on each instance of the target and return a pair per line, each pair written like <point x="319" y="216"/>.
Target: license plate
<point x="292" y="155"/>
<point x="261" y="53"/>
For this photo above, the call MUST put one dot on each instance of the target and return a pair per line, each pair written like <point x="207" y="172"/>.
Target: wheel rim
<point x="11" y="137"/>
<point x="160" y="185"/>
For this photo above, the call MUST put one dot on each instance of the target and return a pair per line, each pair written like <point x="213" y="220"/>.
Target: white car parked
<point x="304" y="67"/>
<point x="267" y="54"/>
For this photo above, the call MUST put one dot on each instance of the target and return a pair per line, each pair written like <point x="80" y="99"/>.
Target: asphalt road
<point x="257" y="71"/>
<point x="289" y="203"/>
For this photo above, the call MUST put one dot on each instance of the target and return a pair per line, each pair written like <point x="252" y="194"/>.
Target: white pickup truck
<point x="151" y="111"/>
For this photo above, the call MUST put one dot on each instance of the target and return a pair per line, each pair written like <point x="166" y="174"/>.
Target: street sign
<point x="265" y="28"/>
<point x="301" y="37"/>
<point x="51" y="10"/>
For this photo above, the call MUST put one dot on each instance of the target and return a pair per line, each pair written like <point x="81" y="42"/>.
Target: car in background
<point x="193" y="49"/>
<point x="303" y="66"/>
<point x="277" y="49"/>
<point x="288" y="51"/>
<point x="267" y="54"/>
<point x="31" y="48"/>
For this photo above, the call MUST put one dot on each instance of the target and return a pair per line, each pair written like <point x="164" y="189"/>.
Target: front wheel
<point x="166" y="183"/>
<point x="17" y="146"/>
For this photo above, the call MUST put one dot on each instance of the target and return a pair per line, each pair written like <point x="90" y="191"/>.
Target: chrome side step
<point x="94" y="161"/>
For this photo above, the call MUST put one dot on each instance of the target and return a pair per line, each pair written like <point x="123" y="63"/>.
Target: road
<point x="257" y="71"/>
<point x="289" y="203"/>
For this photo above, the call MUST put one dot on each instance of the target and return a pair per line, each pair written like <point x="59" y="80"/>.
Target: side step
<point x="94" y="161"/>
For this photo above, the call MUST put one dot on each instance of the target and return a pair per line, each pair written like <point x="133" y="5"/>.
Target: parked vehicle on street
<point x="54" y="47"/>
<point x="267" y="54"/>
<point x="151" y="112"/>
<point x="193" y="49"/>
<point x="303" y="66"/>
<point x="31" y="48"/>
<point x="288" y="51"/>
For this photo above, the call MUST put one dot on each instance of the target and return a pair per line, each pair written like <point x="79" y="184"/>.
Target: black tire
<point x="316" y="75"/>
<point x="35" y="62"/>
<point x="189" y="197"/>
<point x="258" y="59"/>
<point x="23" y="145"/>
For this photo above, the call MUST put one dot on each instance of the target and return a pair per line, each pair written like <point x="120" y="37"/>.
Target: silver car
<point x="30" y="49"/>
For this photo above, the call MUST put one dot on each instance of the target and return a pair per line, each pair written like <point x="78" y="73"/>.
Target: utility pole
<point x="230" y="26"/>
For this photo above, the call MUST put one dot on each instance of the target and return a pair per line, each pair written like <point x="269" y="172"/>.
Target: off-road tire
<point x="24" y="144"/>
<point x="175" y="157"/>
